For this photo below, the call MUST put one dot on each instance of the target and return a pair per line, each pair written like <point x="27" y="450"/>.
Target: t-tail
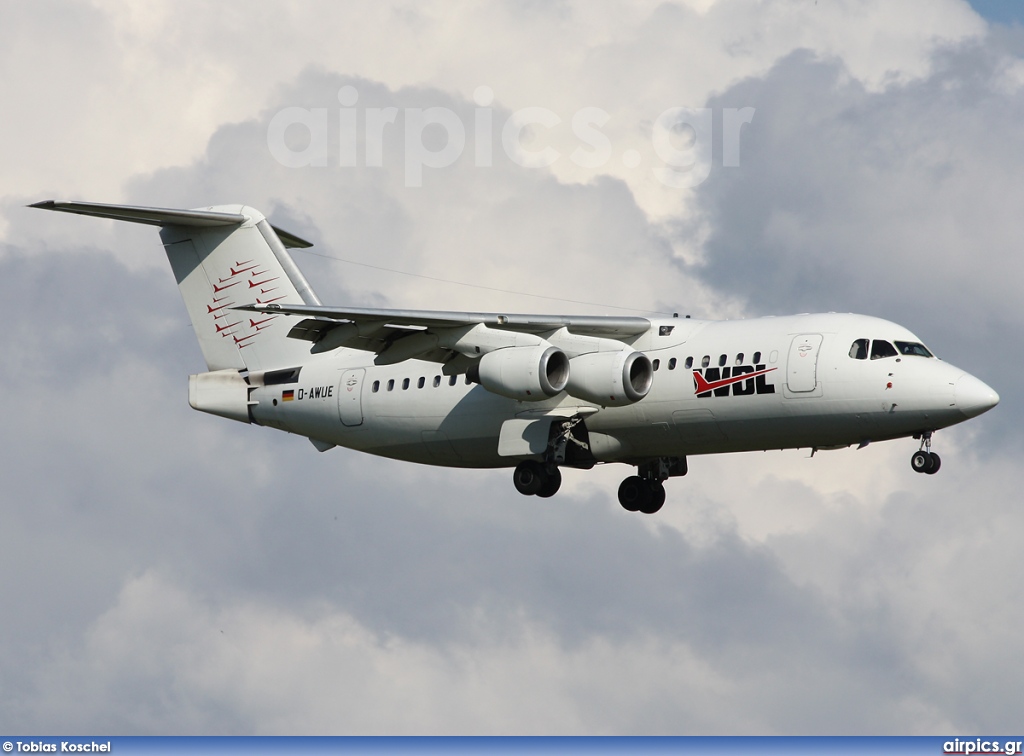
<point x="224" y="257"/>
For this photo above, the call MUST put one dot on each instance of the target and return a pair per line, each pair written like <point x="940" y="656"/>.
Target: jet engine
<point x="611" y="379"/>
<point x="529" y="374"/>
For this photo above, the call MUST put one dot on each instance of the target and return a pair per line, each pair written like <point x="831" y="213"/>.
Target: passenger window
<point x="705" y="361"/>
<point x="757" y="357"/>
<point x="405" y="384"/>
<point x="376" y="387"/>
<point x="672" y="364"/>
<point x="722" y="360"/>
<point x="437" y="381"/>
<point x="453" y="380"/>
<point x="739" y="359"/>
<point x="859" y="349"/>
<point x="421" y="382"/>
<point x="391" y="384"/>
<point x="913" y="348"/>
<point x="467" y="379"/>
<point x="656" y="364"/>
<point x="882" y="349"/>
<point x="689" y="362"/>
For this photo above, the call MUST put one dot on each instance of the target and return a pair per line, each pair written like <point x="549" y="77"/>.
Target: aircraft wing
<point x="435" y="335"/>
<point x="591" y="325"/>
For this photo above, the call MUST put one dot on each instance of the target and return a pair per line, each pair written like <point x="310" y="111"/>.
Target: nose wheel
<point x="925" y="460"/>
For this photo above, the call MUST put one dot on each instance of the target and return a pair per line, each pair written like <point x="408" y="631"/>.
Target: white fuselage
<point x="804" y="390"/>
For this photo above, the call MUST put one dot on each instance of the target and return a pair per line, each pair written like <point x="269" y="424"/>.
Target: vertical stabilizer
<point x="220" y="268"/>
<point x="224" y="257"/>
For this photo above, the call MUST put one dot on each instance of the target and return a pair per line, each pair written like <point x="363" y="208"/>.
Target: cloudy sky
<point x="169" y="572"/>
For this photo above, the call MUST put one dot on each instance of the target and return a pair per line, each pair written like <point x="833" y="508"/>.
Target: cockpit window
<point x="913" y="348"/>
<point x="859" y="349"/>
<point x="881" y="349"/>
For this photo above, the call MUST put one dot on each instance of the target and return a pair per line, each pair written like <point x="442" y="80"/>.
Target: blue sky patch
<point x="1000" y="11"/>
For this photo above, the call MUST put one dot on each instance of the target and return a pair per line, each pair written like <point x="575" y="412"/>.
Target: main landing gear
<point x="925" y="460"/>
<point x="537" y="479"/>
<point x="639" y="495"/>
<point x="645" y="492"/>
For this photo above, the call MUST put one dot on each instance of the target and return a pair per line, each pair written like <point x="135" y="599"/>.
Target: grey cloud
<point x="899" y="203"/>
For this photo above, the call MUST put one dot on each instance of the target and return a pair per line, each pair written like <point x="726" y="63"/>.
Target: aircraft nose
<point x="973" y="396"/>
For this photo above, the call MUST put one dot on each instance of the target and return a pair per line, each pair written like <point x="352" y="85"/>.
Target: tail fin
<point x="224" y="257"/>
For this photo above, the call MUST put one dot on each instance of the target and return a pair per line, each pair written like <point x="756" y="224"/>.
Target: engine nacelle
<point x="611" y="379"/>
<point x="529" y="374"/>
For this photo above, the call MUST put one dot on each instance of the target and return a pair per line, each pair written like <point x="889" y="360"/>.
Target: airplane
<point x="535" y="393"/>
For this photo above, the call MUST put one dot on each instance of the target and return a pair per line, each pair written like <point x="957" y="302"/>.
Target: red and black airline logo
<point x="740" y="380"/>
<point x="228" y="322"/>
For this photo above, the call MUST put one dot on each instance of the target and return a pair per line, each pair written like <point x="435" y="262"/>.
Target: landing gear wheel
<point x="529" y="478"/>
<point x="925" y="462"/>
<point x="635" y="494"/>
<point x="552" y="482"/>
<point x="922" y="461"/>
<point x="534" y="479"/>
<point x="657" y="497"/>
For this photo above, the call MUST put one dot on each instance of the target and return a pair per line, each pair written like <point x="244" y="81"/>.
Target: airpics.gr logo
<point x="978" y="745"/>
<point x="740" y="380"/>
<point x="680" y="138"/>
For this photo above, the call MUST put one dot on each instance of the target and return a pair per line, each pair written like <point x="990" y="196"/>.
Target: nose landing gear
<point x="925" y="460"/>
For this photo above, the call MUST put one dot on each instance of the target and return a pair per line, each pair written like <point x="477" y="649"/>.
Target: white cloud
<point x="113" y="89"/>
<point x="162" y="651"/>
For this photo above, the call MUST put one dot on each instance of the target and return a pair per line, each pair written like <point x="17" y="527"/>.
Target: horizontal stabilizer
<point x="161" y="216"/>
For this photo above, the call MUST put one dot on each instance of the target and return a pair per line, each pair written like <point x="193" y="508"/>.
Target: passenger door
<point x="802" y="366"/>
